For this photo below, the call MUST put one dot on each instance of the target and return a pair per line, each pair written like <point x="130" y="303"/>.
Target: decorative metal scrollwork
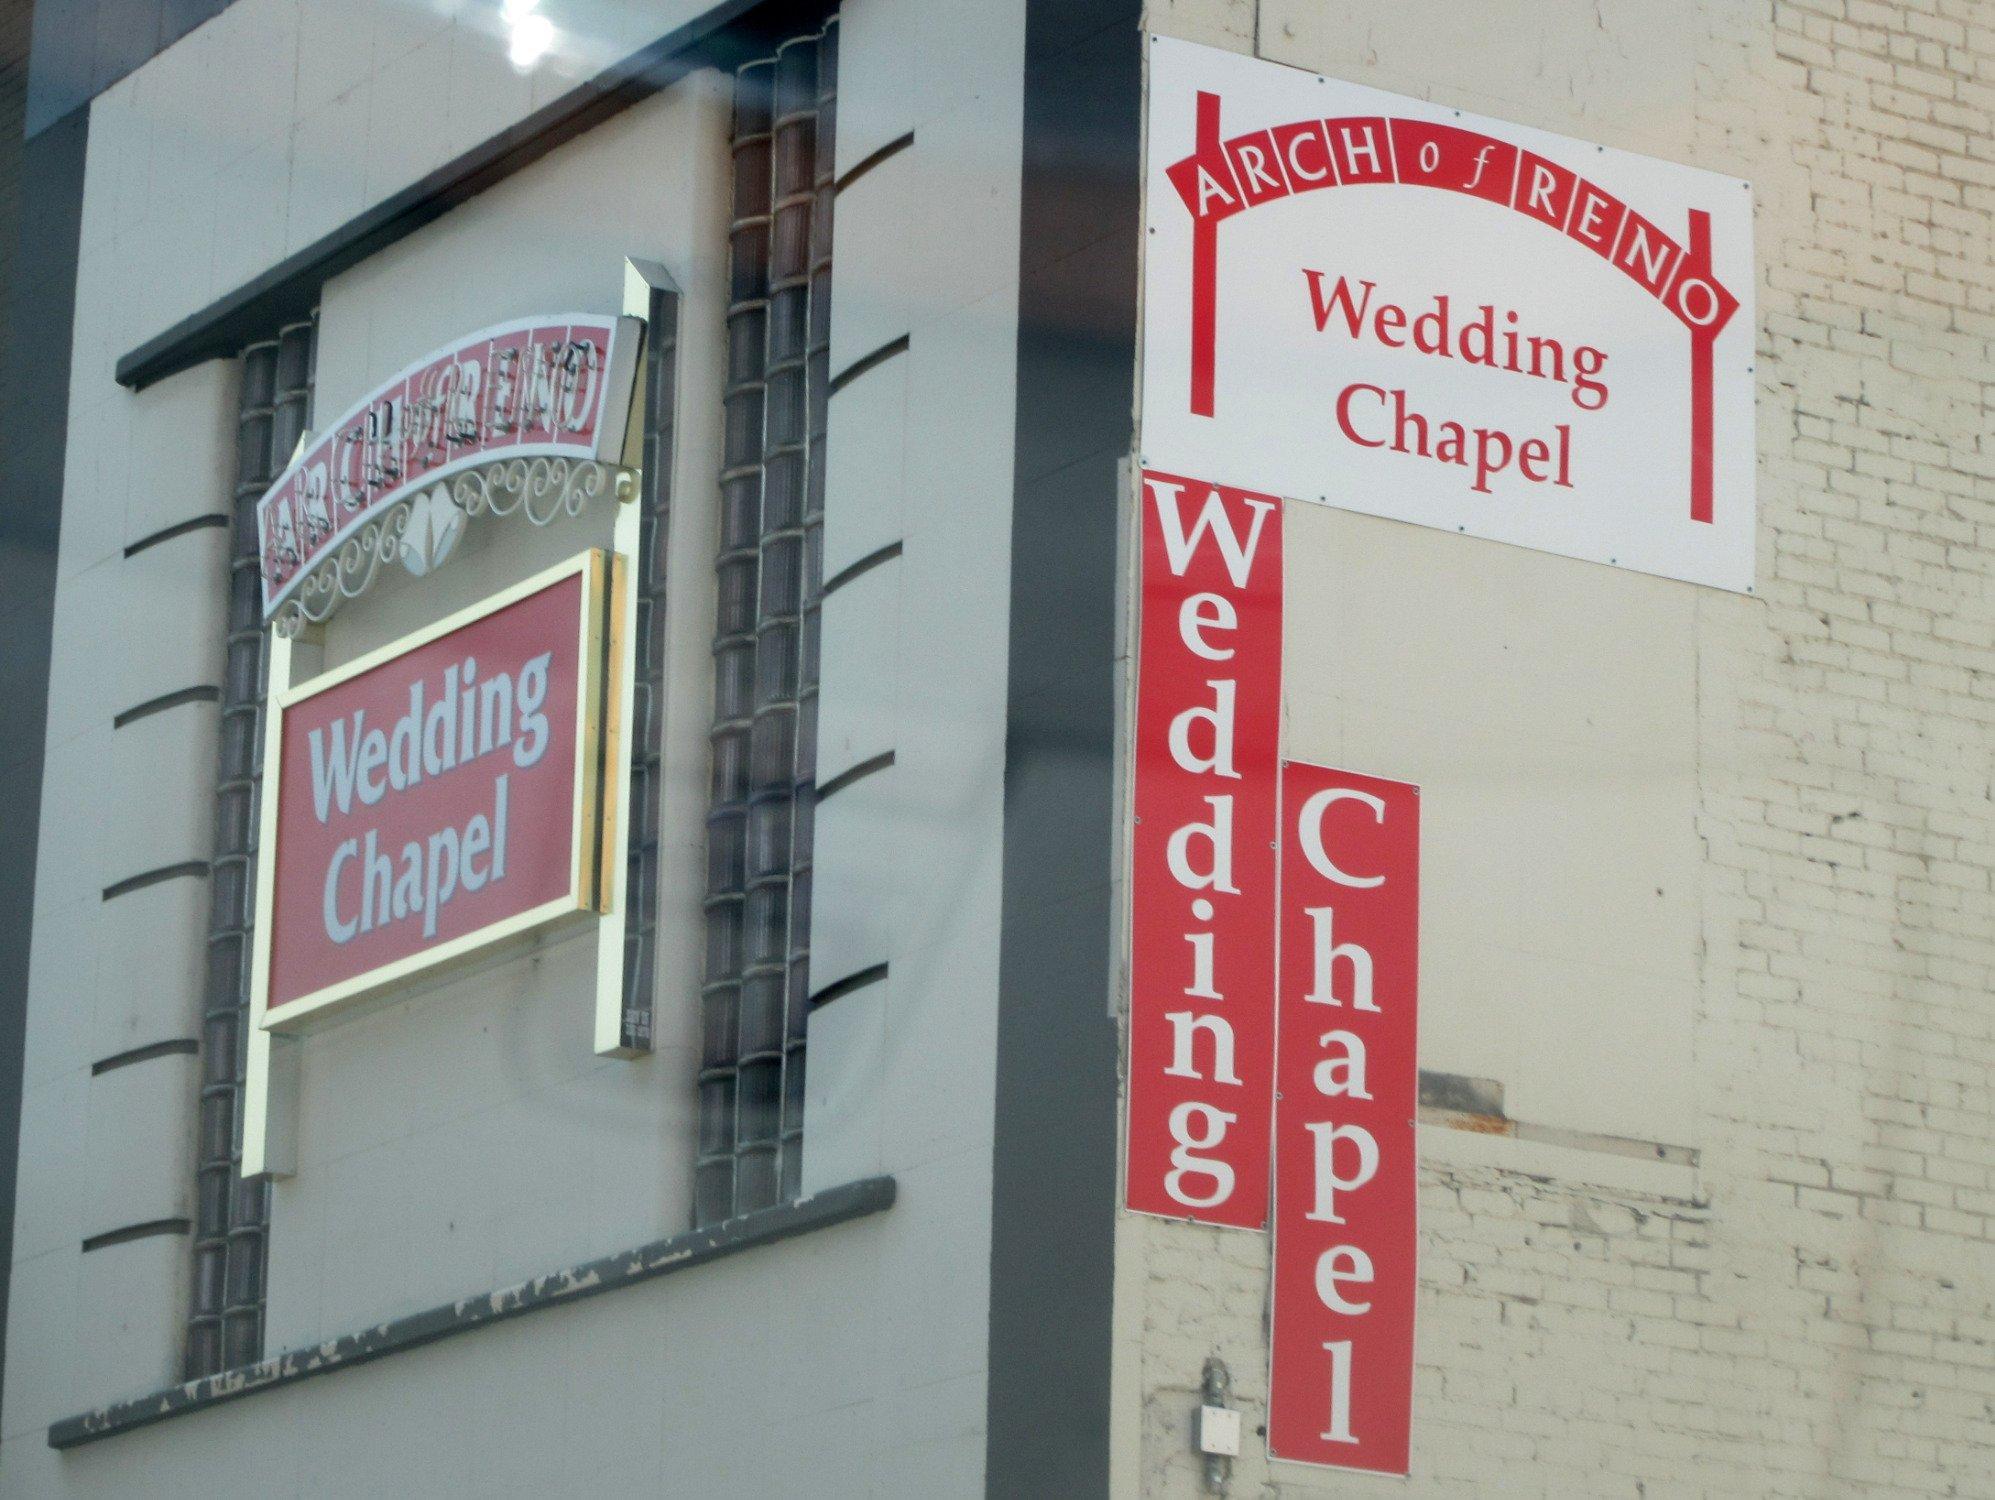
<point x="542" y="489"/>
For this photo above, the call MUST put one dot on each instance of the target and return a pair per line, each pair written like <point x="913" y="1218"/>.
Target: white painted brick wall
<point x="1815" y="1314"/>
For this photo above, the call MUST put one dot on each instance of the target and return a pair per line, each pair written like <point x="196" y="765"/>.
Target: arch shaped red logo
<point x="1550" y="344"/>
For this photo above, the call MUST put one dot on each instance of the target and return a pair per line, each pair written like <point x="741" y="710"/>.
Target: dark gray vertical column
<point x="34" y="394"/>
<point x="1053" y="1214"/>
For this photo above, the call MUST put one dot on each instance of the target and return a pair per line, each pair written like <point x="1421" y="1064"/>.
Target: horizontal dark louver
<point x="766" y="640"/>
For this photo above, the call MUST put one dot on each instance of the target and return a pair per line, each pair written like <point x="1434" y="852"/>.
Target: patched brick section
<point x="1515" y="1270"/>
<point x="1822" y="1319"/>
<point x="1576" y="1341"/>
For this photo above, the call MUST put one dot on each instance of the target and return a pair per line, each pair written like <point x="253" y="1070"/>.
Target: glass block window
<point x="232" y="1217"/>
<point x="756" y="993"/>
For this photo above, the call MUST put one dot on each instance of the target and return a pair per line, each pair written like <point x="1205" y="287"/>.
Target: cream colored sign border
<point x="269" y="1146"/>
<point x="593" y="567"/>
<point x="641" y="280"/>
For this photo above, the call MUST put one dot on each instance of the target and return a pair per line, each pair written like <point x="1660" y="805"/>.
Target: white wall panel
<point x="138" y="1156"/>
<point x="904" y="65"/>
<point x="48" y="1201"/>
<point x="855" y="917"/>
<point x="929" y="230"/>
<point x="168" y="613"/>
<point x="63" y="979"/>
<point x="407" y="115"/>
<point x="83" y="695"/>
<point x="848" y="1041"/>
<point x="248" y="205"/>
<point x="335" y="52"/>
<point x="873" y="254"/>
<point x="865" y="480"/>
<point x="327" y="182"/>
<point x="935" y="1441"/>
<point x="487" y="93"/>
<point x="861" y="688"/>
<point x="908" y="859"/>
<point x="41" y="1366"/>
<point x="74" y="778"/>
<point x="96" y="483"/>
<point x="160" y="932"/>
<point x="183" y="430"/>
<point x="955" y="590"/>
<point x="164" y="766"/>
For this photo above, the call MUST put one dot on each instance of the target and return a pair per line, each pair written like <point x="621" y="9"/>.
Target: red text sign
<point x="1347" y="1083"/>
<point x="1382" y="304"/>
<point x="554" y="387"/>
<point x="436" y="798"/>
<point x="1202" y="891"/>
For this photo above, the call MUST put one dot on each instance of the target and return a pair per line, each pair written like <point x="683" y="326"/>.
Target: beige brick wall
<point x="1811" y="1310"/>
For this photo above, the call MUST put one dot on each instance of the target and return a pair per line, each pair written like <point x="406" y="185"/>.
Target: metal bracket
<point x="1218" y="1426"/>
<point x="623" y="1019"/>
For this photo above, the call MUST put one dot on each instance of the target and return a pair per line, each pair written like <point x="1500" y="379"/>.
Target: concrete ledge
<point x="679" y="1252"/>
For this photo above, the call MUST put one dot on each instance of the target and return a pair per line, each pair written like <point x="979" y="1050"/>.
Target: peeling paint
<point x="626" y="1268"/>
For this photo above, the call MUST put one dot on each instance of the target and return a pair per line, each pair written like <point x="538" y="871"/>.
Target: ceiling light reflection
<point x="532" y="35"/>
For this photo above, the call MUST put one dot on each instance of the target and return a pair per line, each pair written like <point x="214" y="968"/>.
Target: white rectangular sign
<point x="1393" y="307"/>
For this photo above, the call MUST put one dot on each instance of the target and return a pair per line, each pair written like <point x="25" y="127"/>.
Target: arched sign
<point x="1392" y="307"/>
<point x="554" y="387"/>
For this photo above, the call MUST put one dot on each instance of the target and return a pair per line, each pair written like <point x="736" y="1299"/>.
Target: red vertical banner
<point x="1347" y="1090"/>
<point x="1202" y="881"/>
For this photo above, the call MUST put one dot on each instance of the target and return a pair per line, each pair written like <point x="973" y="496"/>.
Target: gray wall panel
<point x="133" y="1301"/>
<point x="159" y="932"/>
<point x="1052" y="1250"/>
<point x="138" y="1155"/>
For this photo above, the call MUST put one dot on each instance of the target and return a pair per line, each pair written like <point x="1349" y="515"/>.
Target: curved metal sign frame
<point x="527" y="415"/>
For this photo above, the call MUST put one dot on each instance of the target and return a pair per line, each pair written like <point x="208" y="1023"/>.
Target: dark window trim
<point x="892" y="149"/>
<point x="679" y="1252"/>
<point x="165" y="701"/>
<point x="723" y="36"/>
<point x="150" y="1229"/>
<point x="867" y="362"/>
<point x="860" y="568"/>
<point x="828" y="789"/>
<point x="186" y="870"/>
<point x="864" y="979"/>
<point x="178" y="529"/>
<point x="179" y="1046"/>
